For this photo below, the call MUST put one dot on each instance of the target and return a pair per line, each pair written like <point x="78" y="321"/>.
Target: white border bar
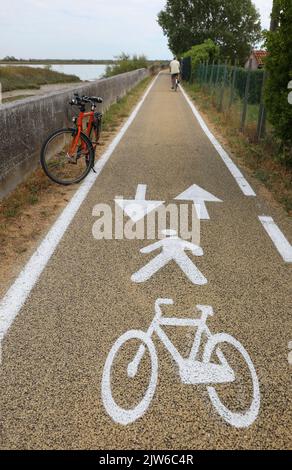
<point x="278" y="238"/>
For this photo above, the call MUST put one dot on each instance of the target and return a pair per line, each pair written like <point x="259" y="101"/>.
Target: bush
<point x="279" y="67"/>
<point x="202" y="53"/>
<point x="256" y="79"/>
<point x="126" y="64"/>
<point x="256" y="83"/>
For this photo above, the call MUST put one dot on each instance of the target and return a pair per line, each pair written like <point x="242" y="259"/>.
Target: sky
<point x="87" y="29"/>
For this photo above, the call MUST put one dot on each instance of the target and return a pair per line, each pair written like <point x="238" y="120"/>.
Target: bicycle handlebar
<point x="81" y="101"/>
<point x="160" y="302"/>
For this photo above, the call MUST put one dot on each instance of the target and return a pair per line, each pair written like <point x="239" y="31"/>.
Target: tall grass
<point x="16" y="78"/>
<point x="126" y="63"/>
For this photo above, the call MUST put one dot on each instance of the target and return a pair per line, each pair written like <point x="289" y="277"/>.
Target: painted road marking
<point x="191" y="370"/>
<point x="15" y="297"/>
<point x="234" y="170"/>
<point x="199" y="197"/>
<point x="278" y="238"/>
<point x="136" y="209"/>
<point x="173" y="249"/>
<point x="290" y="353"/>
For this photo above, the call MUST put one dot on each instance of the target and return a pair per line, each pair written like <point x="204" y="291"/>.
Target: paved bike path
<point x="54" y="353"/>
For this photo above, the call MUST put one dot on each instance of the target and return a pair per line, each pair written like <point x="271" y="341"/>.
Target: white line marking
<point x="15" y="297"/>
<point x="234" y="170"/>
<point x="278" y="238"/>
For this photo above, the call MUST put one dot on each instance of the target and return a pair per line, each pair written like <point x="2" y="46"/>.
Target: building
<point x="257" y="57"/>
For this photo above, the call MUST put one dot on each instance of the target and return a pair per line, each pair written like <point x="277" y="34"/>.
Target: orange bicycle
<point x="68" y="155"/>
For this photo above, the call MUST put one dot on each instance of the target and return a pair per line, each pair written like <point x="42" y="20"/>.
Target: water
<point x="84" y="72"/>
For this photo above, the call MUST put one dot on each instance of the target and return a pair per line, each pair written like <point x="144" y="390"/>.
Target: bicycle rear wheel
<point x="61" y="163"/>
<point x="117" y="412"/>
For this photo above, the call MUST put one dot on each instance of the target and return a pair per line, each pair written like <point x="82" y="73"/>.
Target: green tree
<point x="202" y="52"/>
<point x="279" y="67"/>
<point x="233" y="25"/>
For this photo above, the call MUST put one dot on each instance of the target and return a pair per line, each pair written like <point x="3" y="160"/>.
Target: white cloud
<point x="265" y="8"/>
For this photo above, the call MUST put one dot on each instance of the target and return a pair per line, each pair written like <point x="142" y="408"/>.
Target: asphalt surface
<point x="55" y="352"/>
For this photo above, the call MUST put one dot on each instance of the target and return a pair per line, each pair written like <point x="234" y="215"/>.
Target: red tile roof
<point x="260" y="55"/>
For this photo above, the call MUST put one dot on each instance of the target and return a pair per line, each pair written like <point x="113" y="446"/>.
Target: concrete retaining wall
<point x="24" y="125"/>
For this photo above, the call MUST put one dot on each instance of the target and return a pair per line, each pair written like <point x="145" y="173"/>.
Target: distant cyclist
<point x="174" y="71"/>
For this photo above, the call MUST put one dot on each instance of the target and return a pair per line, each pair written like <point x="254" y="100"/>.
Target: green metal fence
<point x="237" y="91"/>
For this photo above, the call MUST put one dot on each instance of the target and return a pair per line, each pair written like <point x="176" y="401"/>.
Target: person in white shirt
<point x="174" y="71"/>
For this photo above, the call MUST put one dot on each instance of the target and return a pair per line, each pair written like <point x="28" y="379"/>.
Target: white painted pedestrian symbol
<point x="173" y="249"/>
<point x="136" y="209"/>
<point x="199" y="197"/>
<point x="192" y="371"/>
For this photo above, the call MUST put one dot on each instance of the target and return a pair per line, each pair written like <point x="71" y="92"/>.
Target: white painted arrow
<point x="199" y="196"/>
<point x="139" y="207"/>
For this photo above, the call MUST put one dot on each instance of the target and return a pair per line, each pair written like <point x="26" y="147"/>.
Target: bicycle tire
<point x="89" y="162"/>
<point x="117" y="413"/>
<point x="236" y="419"/>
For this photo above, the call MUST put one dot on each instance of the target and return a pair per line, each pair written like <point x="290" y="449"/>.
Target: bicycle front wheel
<point x="249" y="394"/>
<point x="65" y="160"/>
<point x="119" y="358"/>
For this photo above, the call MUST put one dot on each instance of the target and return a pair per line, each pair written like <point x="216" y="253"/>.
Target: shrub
<point x="256" y="79"/>
<point x="256" y="83"/>
<point x="279" y="67"/>
<point x="202" y="52"/>
<point x="126" y="63"/>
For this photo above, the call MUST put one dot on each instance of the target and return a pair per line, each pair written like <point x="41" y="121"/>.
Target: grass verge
<point x="261" y="159"/>
<point x="19" y="78"/>
<point x="28" y="212"/>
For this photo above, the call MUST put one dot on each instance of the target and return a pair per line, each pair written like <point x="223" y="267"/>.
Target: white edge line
<point x="234" y="170"/>
<point x="17" y="294"/>
<point x="280" y="241"/>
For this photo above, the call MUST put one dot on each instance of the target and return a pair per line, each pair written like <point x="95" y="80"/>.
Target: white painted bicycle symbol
<point x="191" y="370"/>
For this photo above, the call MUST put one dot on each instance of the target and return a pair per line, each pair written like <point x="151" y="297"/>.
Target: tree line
<point x="229" y="30"/>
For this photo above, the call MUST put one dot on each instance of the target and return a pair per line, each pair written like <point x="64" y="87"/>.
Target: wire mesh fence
<point x="237" y="91"/>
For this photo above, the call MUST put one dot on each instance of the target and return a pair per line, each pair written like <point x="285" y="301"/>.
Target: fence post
<point x="246" y="96"/>
<point x="223" y="87"/>
<point x="233" y="84"/>
<point x="201" y="73"/>
<point x="192" y="73"/>
<point x="206" y="71"/>
<point x="212" y="73"/>
<point x="261" y="129"/>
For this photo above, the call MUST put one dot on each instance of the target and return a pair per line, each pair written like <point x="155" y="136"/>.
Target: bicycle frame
<point x="159" y="321"/>
<point x="82" y="115"/>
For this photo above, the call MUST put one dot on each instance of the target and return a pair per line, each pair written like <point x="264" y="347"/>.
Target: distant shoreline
<point x="67" y="62"/>
<point x="55" y="62"/>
